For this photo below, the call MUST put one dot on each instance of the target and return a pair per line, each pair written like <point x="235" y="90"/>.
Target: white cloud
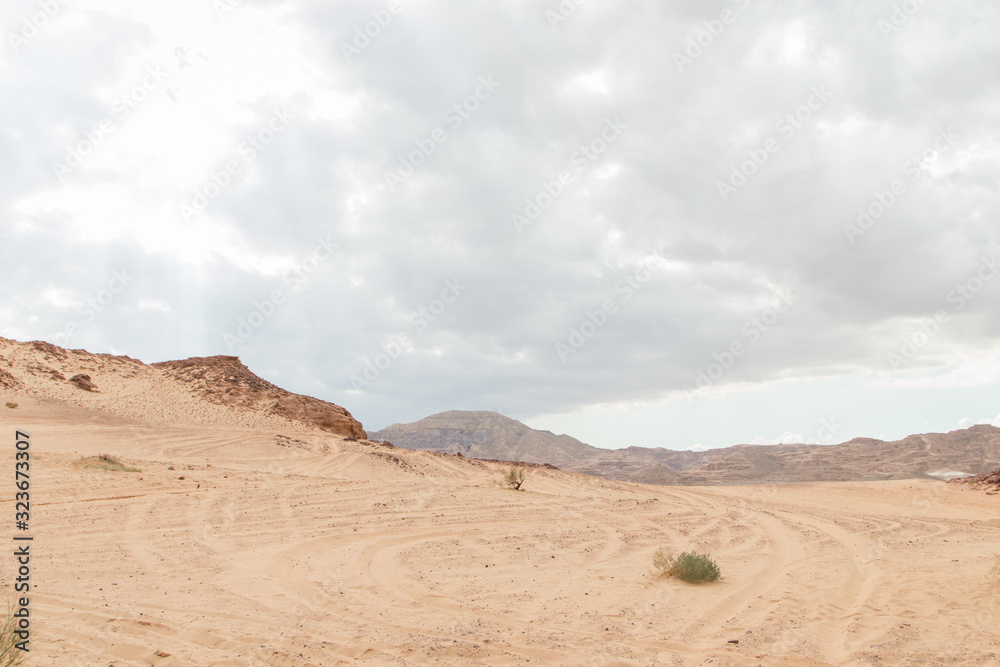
<point x="966" y="422"/>
<point x="785" y="438"/>
<point x="654" y="187"/>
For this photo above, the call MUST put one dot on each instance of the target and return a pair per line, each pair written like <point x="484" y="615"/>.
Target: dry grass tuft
<point x="514" y="478"/>
<point x="10" y="655"/>
<point x="108" y="462"/>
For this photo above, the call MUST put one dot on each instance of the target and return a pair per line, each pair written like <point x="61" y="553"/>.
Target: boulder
<point x="83" y="382"/>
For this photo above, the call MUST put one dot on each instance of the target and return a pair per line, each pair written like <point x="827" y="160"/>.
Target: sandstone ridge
<point x="225" y="380"/>
<point x="200" y="391"/>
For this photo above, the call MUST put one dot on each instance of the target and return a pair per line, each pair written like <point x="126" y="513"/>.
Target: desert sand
<point x="263" y="542"/>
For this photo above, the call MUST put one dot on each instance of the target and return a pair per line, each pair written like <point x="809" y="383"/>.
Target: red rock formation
<point x="225" y="391"/>
<point x="83" y="381"/>
<point x="990" y="482"/>
<point x="225" y="380"/>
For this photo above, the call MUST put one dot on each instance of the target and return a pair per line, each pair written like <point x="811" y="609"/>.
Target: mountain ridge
<point x="969" y="451"/>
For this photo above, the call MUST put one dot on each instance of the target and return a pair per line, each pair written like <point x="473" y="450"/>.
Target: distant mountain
<point x="490" y="435"/>
<point x="487" y="435"/>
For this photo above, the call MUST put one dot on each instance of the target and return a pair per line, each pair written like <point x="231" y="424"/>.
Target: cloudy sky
<point x="682" y="223"/>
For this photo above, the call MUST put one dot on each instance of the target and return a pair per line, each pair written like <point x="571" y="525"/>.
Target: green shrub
<point x="10" y="655"/>
<point x="11" y="405"/>
<point x="514" y="478"/>
<point x="689" y="566"/>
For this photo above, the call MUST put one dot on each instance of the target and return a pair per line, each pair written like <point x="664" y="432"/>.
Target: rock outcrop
<point x="83" y="381"/>
<point x="202" y="391"/>
<point x="225" y="380"/>
<point x="989" y="482"/>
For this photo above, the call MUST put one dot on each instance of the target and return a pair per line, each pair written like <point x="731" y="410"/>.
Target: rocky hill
<point x="203" y="391"/>
<point x="989" y="482"/>
<point x="490" y="435"/>
<point x="226" y="381"/>
<point x="487" y="435"/>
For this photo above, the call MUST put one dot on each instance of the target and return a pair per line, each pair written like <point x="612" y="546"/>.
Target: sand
<point x="249" y="539"/>
<point x="307" y="549"/>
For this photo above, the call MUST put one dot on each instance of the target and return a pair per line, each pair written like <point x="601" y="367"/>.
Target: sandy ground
<point x="311" y="550"/>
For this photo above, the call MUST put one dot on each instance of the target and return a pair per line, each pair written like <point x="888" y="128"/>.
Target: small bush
<point x="10" y="655"/>
<point x="661" y="561"/>
<point x="514" y="478"/>
<point x="11" y="405"/>
<point x="108" y="462"/>
<point x="689" y="566"/>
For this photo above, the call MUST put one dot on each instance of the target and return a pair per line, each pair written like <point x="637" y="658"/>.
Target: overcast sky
<point x="685" y="224"/>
